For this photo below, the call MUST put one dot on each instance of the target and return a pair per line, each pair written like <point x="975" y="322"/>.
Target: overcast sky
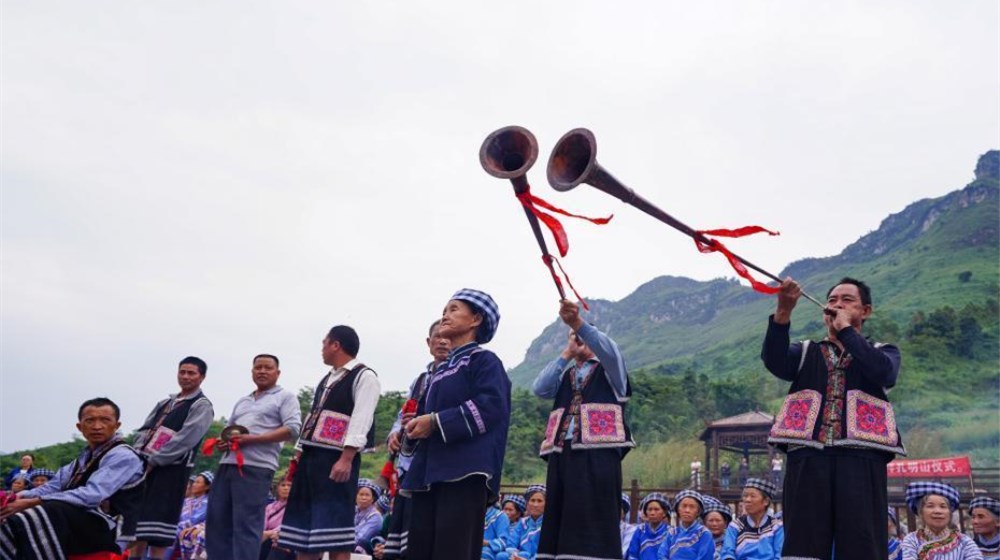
<point x="229" y="178"/>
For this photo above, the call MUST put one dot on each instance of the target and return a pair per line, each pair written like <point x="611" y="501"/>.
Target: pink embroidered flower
<point x="334" y="429"/>
<point x="602" y="423"/>
<point x="796" y="415"/>
<point x="871" y="418"/>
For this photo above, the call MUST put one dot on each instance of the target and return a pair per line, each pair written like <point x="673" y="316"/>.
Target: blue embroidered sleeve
<point x="119" y="467"/>
<point x="547" y="383"/>
<point x="729" y="544"/>
<point x="490" y="401"/>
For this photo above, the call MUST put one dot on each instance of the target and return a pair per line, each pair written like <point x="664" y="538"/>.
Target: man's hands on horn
<point x="569" y="312"/>
<point x="788" y="297"/>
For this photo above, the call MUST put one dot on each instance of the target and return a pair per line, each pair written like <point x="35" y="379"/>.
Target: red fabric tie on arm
<point x="733" y="261"/>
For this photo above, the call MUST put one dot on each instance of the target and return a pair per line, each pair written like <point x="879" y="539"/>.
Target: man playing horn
<point x="585" y="440"/>
<point x="836" y="426"/>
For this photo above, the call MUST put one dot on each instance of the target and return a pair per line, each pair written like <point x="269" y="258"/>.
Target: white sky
<point x="228" y="178"/>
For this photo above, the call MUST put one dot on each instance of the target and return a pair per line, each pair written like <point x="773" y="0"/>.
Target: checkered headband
<point x="21" y="476"/>
<point x="41" y="472"/>
<point x="765" y="486"/>
<point x="533" y="489"/>
<point x="208" y="476"/>
<point x="484" y="303"/>
<point x="689" y="494"/>
<point x="655" y="497"/>
<point x="518" y="501"/>
<point x="917" y="490"/>
<point x="626" y="503"/>
<point x="375" y="488"/>
<point x="384" y="502"/>
<point x="713" y="504"/>
<point x="991" y="505"/>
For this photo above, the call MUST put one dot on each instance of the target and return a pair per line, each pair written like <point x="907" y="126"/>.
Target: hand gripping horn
<point x="574" y="161"/>
<point x="508" y="153"/>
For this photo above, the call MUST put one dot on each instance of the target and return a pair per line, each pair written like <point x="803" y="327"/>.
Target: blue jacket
<point x="744" y="541"/>
<point x="691" y="543"/>
<point x="470" y="394"/>
<point x="496" y="528"/>
<point x="524" y="536"/>
<point x="646" y="542"/>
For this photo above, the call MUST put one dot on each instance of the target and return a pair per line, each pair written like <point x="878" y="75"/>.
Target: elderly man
<point x="65" y="515"/>
<point x="836" y="426"/>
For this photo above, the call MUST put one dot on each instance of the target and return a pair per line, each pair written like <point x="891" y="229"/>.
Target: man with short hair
<point x="270" y="415"/>
<point x="27" y="465"/>
<point x="585" y="440"/>
<point x="836" y="426"/>
<point x="319" y="516"/>
<point x="65" y="515"/>
<point x="168" y="440"/>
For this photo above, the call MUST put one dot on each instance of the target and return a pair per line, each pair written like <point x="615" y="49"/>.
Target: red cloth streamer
<point x="548" y="260"/>
<point x="733" y="261"/>
<point x="529" y="201"/>
<point x="208" y="448"/>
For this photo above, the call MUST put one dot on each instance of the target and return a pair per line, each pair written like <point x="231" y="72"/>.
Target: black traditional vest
<point x="126" y="500"/>
<point x="327" y="423"/>
<point x="598" y="412"/>
<point x="831" y="404"/>
<point x="165" y="424"/>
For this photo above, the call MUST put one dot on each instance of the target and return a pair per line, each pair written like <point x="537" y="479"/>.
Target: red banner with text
<point x="930" y="468"/>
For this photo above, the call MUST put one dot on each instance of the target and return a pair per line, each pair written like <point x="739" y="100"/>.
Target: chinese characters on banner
<point x="930" y="468"/>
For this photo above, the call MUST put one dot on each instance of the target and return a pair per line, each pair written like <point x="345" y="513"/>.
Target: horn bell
<point x="573" y="159"/>
<point x="509" y="152"/>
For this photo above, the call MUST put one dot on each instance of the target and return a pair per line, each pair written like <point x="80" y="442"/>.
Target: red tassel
<point x="734" y="262"/>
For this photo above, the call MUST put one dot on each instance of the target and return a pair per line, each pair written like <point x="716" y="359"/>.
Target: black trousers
<point x="447" y="520"/>
<point x="836" y="498"/>
<point x="54" y="529"/>
<point x="582" y="505"/>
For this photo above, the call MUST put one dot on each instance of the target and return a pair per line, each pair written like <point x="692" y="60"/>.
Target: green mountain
<point x="934" y="269"/>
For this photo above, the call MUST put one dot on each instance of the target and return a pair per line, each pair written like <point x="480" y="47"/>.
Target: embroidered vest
<point x="599" y="417"/>
<point x="326" y="425"/>
<point x="830" y="404"/>
<point x="164" y="425"/>
<point x="127" y="500"/>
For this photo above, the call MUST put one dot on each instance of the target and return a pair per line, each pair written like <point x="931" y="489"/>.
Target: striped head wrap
<point x="485" y="304"/>
<point x="765" y="486"/>
<point x="207" y="475"/>
<point x="41" y="472"/>
<point x="626" y="503"/>
<point x="689" y="494"/>
<point x="915" y="491"/>
<point x="375" y="488"/>
<point x="655" y="497"/>
<point x="713" y="504"/>
<point x="991" y="505"/>
<point x="532" y="490"/>
<point x="384" y="502"/>
<point x="892" y="517"/>
<point x="518" y="502"/>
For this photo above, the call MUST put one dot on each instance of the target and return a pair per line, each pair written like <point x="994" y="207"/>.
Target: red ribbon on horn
<point x="558" y="233"/>
<point x="733" y="261"/>
<point x="208" y="448"/>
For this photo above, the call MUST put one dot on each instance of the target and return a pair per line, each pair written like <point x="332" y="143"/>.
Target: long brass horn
<point x="508" y="153"/>
<point x="574" y="161"/>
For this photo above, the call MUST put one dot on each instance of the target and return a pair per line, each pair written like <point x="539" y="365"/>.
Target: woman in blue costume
<point x="650" y="535"/>
<point x="716" y="517"/>
<point x="522" y="541"/>
<point x="191" y="525"/>
<point x="690" y="540"/>
<point x="499" y="522"/>
<point x="756" y="535"/>
<point x="985" y="512"/>
<point x="936" y="539"/>
<point x="461" y="434"/>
